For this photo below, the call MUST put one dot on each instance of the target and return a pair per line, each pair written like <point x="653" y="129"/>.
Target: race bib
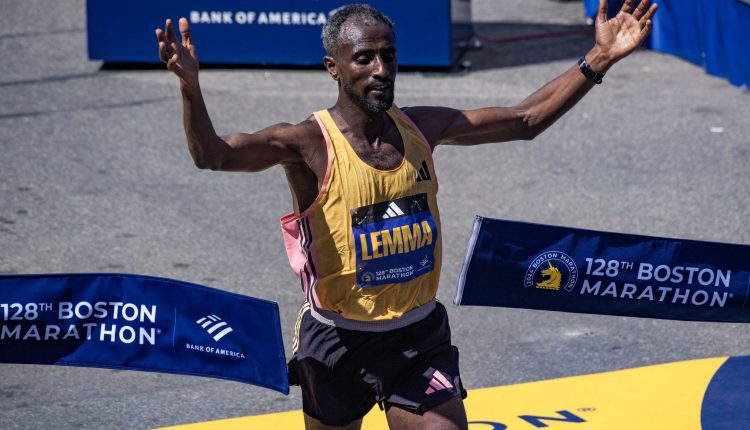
<point x="394" y="241"/>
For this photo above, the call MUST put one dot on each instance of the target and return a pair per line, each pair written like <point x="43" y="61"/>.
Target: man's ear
<point x="330" y="64"/>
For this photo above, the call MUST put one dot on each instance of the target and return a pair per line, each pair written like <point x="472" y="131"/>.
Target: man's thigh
<point x="344" y="373"/>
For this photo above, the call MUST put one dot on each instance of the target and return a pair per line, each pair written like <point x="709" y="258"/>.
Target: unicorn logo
<point x="542" y="274"/>
<point x="553" y="278"/>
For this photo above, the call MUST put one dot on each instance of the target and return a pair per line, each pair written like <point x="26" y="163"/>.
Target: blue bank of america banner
<point x="259" y="31"/>
<point x="141" y="323"/>
<point x="533" y="266"/>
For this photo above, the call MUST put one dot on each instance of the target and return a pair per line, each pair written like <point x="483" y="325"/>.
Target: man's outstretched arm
<point x="236" y="152"/>
<point x="615" y="39"/>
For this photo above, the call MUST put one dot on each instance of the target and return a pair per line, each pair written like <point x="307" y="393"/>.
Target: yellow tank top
<point x="368" y="250"/>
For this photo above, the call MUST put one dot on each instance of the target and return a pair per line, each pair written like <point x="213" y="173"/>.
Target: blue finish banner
<point x="712" y="34"/>
<point x="259" y="31"/>
<point x="534" y="266"/>
<point x="141" y="323"/>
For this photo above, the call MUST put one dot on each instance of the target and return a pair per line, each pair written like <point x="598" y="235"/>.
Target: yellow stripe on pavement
<point x="660" y="397"/>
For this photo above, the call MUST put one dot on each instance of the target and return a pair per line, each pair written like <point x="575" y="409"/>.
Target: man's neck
<point x="356" y="120"/>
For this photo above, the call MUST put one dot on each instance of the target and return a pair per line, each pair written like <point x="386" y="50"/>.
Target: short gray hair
<point x="332" y="28"/>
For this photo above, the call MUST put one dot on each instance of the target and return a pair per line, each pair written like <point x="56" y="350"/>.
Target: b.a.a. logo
<point x="552" y="270"/>
<point x="552" y="278"/>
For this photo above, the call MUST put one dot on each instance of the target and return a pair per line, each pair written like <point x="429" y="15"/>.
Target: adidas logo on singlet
<point x="424" y="173"/>
<point x="392" y="211"/>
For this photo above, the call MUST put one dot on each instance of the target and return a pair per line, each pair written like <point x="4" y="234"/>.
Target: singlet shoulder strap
<point x="326" y="178"/>
<point x="403" y="120"/>
<point x="329" y="128"/>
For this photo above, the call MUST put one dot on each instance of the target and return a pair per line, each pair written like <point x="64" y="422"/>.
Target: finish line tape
<point x="141" y="323"/>
<point x="533" y="266"/>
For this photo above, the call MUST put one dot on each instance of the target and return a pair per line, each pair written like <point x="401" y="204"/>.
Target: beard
<point x="372" y="106"/>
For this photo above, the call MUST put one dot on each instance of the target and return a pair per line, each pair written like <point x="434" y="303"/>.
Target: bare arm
<point x="615" y="39"/>
<point x="235" y="152"/>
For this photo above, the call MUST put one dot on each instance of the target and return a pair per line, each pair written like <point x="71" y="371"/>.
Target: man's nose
<point x="381" y="69"/>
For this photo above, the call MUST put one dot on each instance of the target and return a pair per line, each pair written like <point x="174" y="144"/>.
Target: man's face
<point x="366" y="64"/>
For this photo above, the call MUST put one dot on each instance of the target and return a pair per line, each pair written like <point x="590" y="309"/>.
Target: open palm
<point x="181" y="56"/>
<point x="622" y="34"/>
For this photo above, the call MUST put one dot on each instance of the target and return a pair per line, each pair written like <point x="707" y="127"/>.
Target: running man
<point x="364" y="235"/>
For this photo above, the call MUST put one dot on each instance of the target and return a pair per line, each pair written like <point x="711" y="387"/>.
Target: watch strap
<point x="590" y="74"/>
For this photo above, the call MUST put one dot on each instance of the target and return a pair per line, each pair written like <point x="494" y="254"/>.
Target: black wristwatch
<point x="590" y="74"/>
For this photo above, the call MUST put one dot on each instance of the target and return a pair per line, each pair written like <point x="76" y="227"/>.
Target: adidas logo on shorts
<point x="438" y="382"/>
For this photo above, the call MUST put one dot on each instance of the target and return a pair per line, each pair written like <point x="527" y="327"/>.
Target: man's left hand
<point x="621" y="35"/>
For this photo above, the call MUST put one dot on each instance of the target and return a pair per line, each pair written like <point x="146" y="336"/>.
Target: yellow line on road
<point x="660" y="397"/>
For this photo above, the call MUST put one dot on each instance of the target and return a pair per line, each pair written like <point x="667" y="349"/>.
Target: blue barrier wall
<point x="713" y="34"/>
<point x="259" y="31"/>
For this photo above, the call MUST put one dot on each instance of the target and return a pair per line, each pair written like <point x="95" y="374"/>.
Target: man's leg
<point x="449" y="415"/>
<point x="336" y="396"/>
<point x="313" y="424"/>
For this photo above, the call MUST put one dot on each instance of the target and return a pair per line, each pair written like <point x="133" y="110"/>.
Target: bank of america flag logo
<point x="392" y="211"/>
<point x="212" y="324"/>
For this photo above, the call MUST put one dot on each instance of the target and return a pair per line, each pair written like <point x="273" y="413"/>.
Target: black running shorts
<point x="343" y="373"/>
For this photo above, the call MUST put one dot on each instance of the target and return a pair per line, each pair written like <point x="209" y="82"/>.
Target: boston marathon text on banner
<point x="524" y="265"/>
<point x="123" y="331"/>
<point x="140" y="323"/>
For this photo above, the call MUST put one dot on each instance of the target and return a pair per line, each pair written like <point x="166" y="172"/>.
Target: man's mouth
<point x="380" y="88"/>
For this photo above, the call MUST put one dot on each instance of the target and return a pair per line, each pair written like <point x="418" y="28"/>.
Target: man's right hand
<point x="181" y="57"/>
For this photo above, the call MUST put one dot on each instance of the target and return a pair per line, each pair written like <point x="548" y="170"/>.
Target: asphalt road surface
<point x="95" y="177"/>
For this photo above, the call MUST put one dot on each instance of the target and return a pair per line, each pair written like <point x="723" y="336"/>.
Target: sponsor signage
<point x="141" y="323"/>
<point x="524" y="265"/>
<point x="259" y="31"/>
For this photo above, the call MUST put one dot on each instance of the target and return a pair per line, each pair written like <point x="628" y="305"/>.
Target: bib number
<point x="394" y="241"/>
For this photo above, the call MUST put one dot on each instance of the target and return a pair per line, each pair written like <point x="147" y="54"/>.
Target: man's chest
<point x="385" y="152"/>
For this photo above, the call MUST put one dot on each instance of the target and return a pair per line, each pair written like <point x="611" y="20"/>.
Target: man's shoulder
<point x="306" y="132"/>
<point x="427" y="115"/>
<point x="309" y="140"/>
<point x="431" y="120"/>
<point x="309" y="125"/>
<point x="426" y="111"/>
